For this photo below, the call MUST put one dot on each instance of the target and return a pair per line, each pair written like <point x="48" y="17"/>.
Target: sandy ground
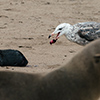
<point x="26" y="24"/>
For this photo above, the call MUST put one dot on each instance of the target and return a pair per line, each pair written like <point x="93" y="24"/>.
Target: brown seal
<point x="79" y="79"/>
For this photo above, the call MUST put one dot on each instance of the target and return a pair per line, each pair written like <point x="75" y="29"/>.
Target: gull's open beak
<point x="54" y="40"/>
<point x="50" y="35"/>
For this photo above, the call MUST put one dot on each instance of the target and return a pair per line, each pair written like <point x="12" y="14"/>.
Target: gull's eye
<point x="60" y="28"/>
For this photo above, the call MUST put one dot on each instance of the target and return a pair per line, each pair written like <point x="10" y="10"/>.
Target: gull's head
<point x="60" y="30"/>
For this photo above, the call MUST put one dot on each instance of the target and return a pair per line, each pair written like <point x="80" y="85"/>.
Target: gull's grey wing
<point x="89" y="30"/>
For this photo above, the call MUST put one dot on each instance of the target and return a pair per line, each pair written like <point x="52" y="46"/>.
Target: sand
<point x="26" y="24"/>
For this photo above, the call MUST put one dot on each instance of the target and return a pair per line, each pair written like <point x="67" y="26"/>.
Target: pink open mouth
<point x="57" y="35"/>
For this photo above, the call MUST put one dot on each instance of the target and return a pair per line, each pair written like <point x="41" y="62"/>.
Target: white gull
<point x="81" y="33"/>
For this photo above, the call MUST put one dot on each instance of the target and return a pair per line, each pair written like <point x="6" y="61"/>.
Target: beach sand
<point x="26" y="24"/>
